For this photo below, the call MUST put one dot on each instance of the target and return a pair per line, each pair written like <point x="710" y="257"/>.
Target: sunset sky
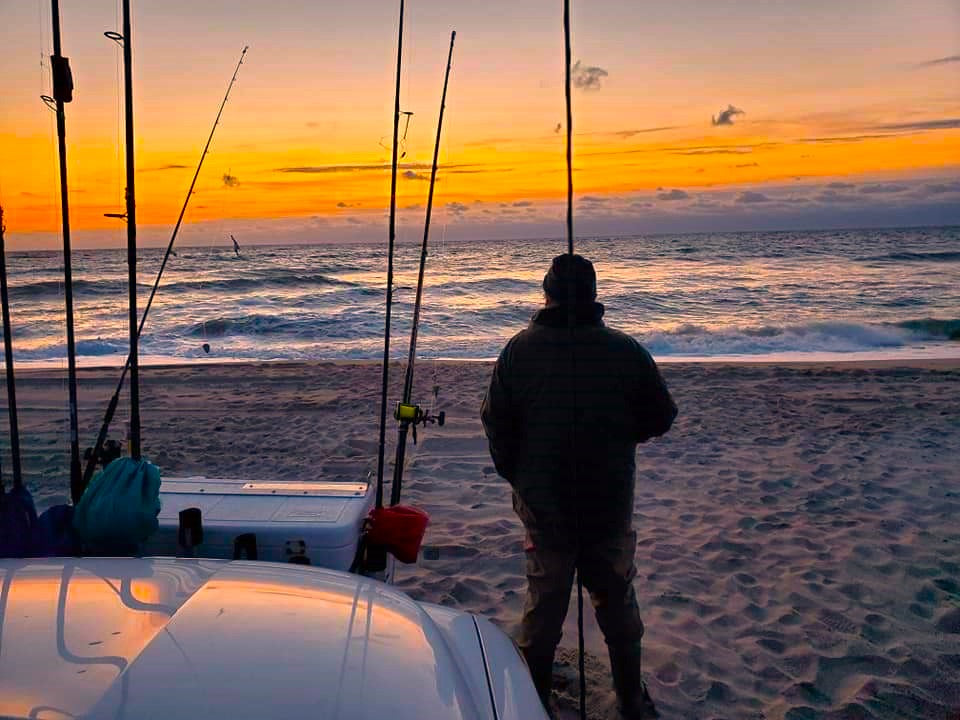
<point x="693" y="116"/>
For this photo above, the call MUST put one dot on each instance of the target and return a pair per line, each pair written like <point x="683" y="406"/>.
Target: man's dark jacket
<point x="563" y="426"/>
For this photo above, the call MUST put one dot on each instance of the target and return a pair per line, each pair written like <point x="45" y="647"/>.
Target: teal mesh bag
<point x="119" y="508"/>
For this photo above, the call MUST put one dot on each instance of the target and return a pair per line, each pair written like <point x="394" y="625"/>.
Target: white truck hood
<point x="177" y="638"/>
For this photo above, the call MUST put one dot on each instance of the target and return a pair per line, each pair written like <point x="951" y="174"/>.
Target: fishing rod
<point x="133" y="358"/>
<point x="63" y="93"/>
<point x="571" y="322"/>
<point x="114" y="399"/>
<point x="8" y="356"/>
<point x="407" y="414"/>
<point x="391" y="238"/>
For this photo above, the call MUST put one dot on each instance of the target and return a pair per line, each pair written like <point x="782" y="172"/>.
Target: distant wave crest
<point x="306" y="327"/>
<point x="945" y="256"/>
<point x="698" y="340"/>
<point x="54" y="288"/>
<point x="282" y="280"/>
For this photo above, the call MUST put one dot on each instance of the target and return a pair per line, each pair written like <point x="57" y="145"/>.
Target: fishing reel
<point x="110" y="451"/>
<point x="412" y="415"/>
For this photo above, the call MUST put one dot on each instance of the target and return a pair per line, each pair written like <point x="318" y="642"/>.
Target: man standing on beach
<point x="568" y="402"/>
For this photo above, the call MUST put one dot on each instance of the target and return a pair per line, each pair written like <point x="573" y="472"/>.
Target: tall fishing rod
<point x="571" y="322"/>
<point x="391" y="238"/>
<point x="63" y="93"/>
<point x="112" y="406"/>
<point x="8" y="356"/>
<point x="408" y="414"/>
<point x="133" y="358"/>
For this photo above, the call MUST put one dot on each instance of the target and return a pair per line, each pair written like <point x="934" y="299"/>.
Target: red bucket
<point x="400" y="529"/>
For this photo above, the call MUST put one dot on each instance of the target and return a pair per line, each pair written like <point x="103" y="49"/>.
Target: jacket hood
<point x="557" y="316"/>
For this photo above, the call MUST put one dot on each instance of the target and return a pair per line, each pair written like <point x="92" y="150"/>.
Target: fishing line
<point x="406" y="129"/>
<point x="571" y="322"/>
<point x="403" y="138"/>
<point x="112" y="406"/>
<point x="203" y="323"/>
<point x="443" y="261"/>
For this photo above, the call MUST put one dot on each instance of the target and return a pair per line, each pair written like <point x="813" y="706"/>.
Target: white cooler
<point x="314" y="522"/>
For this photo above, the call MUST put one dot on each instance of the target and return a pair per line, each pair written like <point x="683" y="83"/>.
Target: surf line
<point x="62" y="94"/>
<point x="97" y="450"/>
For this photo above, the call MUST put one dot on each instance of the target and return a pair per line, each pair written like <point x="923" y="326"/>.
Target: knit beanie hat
<point x="564" y="268"/>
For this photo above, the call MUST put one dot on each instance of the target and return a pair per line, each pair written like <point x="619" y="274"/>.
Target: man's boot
<point x="633" y="700"/>
<point x="541" y="670"/>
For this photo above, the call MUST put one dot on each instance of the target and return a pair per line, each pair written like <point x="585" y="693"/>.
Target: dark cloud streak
<point x="319" y="169"/>
<point x="883" y="189"/>
<point x="845" y="139"/>
<point x="673" y="195"/>
<point x="749" y="197"/>
<point x="626" y="134"/>
<point x="939" y="61"/>
<point x="943" y="124"/>
<point x="942" y="188"/>
<point x="717" y="151"/>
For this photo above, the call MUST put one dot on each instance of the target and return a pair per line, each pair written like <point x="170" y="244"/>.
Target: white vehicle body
<point x="175" y="638"/>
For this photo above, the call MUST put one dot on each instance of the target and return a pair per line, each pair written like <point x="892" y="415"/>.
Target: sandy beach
<point x="799" y="528"/>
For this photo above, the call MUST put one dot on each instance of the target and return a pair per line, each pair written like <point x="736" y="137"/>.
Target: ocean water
<point x="757" y="295"/>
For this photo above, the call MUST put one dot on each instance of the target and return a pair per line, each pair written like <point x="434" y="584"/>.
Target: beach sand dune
<point x="799" y="528"/>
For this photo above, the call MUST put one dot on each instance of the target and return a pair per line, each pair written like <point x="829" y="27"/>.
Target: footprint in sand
<point x="921" y="611"/>
<point x="668" y="673"/>
<point x="772" y="644"/>
<point x="837" y="622"/>
<point x="926" y="595"/>
<point x="797" y="666"/>
<point x="948" y="586"/>
<point x="950" y="622"/>
<point x="806" y="693"/>
<point x="789" y="619"/>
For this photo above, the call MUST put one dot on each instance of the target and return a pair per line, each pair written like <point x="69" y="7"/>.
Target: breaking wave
<point x="834" y="337"/>
<point x="258" y="324"/>
<point x="945" y="256"/>
<point x="279" y="280"/>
